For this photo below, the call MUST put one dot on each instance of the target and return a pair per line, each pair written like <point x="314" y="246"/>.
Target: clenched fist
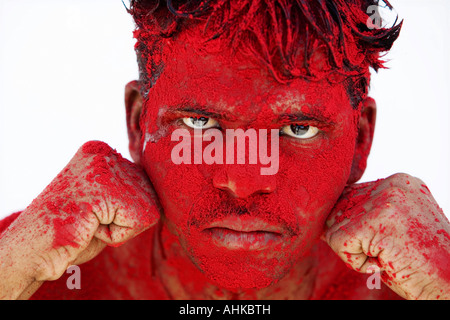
<point x="396" y="225"/>
<point x="98" y="199"/>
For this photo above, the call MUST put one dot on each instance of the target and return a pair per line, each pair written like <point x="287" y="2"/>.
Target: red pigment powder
<point x="445" y="233"/>
<point x="68" y="199"/>
<point x="354" y="199"/>
<point x="185" y="70"/>
<point x="298" y="198"/>
<point x="60" y="238"/>
<point x="301" y="195"/>
<point x="432" y="247"/>
<point x="5" y="222"/>
<point x="109" y="170"/>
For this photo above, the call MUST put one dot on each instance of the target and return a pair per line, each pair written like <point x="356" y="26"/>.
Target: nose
<point x="243" y="181"/>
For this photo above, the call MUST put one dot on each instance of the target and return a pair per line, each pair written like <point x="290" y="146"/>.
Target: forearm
<point x="17" y="280"/>
<point x="22" y="246"/>
<point x="16" y="286"/>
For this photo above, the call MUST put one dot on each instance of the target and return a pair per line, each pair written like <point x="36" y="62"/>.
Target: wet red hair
<point x="281" y="34"/>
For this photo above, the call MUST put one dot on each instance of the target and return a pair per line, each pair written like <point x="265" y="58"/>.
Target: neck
<point x="183" y="280"/>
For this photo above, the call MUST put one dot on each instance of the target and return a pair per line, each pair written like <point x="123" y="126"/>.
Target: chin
<point x="236" y="277"/>
<point x="242" y="269"/>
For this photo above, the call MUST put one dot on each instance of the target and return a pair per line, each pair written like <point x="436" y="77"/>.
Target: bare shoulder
<point x="336" y="281"/>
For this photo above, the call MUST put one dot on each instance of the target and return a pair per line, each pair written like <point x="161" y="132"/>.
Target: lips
<point x="248" y="233"/>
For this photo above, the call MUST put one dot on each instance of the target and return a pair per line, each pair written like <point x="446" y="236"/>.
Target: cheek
<point x="312" y="177"/>
<point x="178" y="186"/>
<point x="315" y="177"/>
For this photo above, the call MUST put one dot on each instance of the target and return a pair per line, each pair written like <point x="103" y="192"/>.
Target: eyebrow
<point x="201" y="111"/>
<point x="302" y="117"/>
<point x="190" y="107"/>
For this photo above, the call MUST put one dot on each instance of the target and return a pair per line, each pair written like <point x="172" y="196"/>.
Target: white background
<point x="64" y="64"/>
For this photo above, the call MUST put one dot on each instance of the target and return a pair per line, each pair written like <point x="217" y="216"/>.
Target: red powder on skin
<point x="301" y="205"/>
<point x="118" y="186"/>
<point x="62" y="196"/>
<point x="353" y="199"/>
<point x="445" y="233"/>
<point x="187" y="192"/>
<point x="65" y="229"/>
<point x="61" y="234"/>
<point x="61" y="214"/>
<point x="5" y="222"/>
<point x="432" y="248"/>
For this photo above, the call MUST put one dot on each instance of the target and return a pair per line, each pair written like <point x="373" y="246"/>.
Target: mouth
<point x="248" y="233"/>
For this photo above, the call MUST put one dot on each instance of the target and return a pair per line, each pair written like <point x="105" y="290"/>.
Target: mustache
<point x="214" y="206"/>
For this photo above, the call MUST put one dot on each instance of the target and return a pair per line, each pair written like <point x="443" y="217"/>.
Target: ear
<point x="133" y="105"/>
<point x="364" y="139"/>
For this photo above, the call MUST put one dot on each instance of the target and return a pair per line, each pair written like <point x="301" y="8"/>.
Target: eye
<point x="200" y="122"/>
<point x="300" y="131"/>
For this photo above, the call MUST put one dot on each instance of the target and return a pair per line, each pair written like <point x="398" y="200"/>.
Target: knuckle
<point x="394" y="193"/>
<point x="400" y="176"/>
<point x="95" y="147"/>
<point x="336" y="239"/>
<point x="405" y="181"/>
<point x="401" y="180"/>
<point x="418" y="182"/>
<point x="393" y="203"/>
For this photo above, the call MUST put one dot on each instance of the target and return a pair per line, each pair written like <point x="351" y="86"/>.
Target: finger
<point x="94" y="248"/>
<point x="143" y="215"/>
<point x="145" y="203"/>
<point x="353" y="245"/>
<point x="371" y="265"/>
<point x="350" y="251"/>
<point x="114" y="235"/>
<point x="126" y="226"/>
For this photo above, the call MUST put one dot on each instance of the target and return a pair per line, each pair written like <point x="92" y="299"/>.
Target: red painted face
<point x="240" y="228"/>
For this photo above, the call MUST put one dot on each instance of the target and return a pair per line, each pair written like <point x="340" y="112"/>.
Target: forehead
<point x="207" y="75"/>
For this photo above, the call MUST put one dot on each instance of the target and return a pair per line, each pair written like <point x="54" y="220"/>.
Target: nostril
<point x="243" y="184"/>
<point x="267" y="189"/>
<point x="220" y="181"/>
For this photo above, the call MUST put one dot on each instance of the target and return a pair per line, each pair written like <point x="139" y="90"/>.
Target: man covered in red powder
<point x="154" y="229"/>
